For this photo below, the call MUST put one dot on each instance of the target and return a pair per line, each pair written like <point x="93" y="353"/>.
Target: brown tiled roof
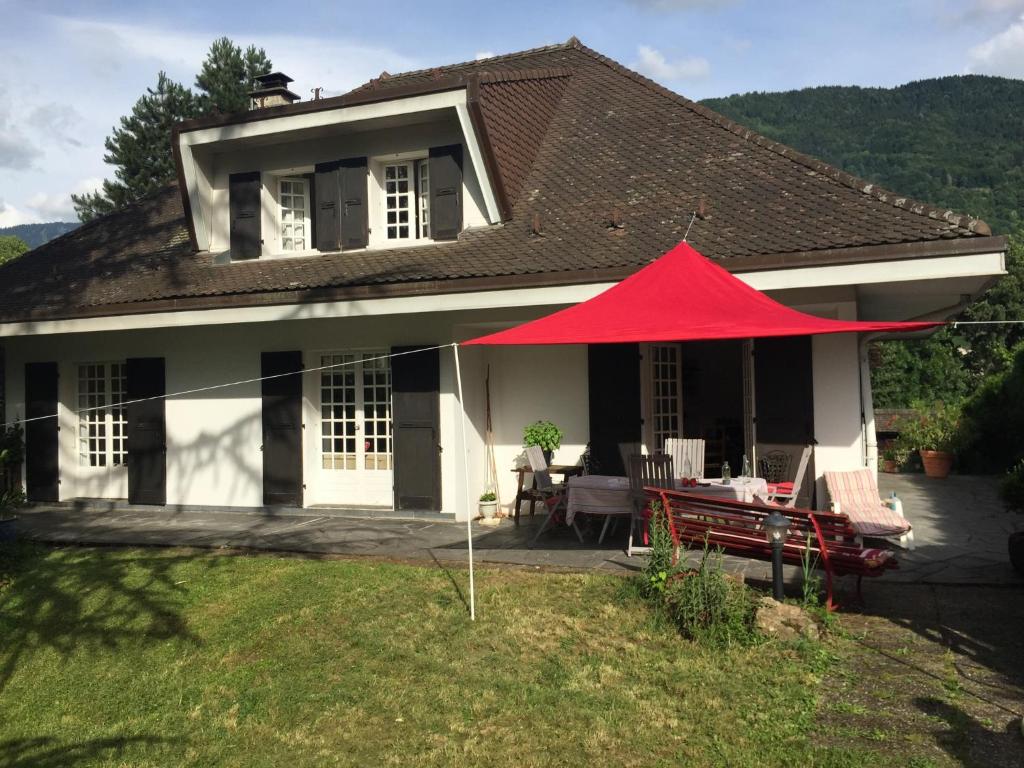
<point x="577" y="140"/>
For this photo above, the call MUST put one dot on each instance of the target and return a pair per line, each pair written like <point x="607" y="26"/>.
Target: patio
<point x="959" y="524"/>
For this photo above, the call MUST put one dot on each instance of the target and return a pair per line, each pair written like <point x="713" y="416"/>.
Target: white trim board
<point x="876" y="272"/>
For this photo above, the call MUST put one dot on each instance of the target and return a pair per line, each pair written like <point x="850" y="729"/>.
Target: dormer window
<point x="293" y="198"/>
<point x="407" y="200"/>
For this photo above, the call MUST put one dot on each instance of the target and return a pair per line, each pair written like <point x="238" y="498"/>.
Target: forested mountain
<point x="952" y="141"/>
<point x="35" y="235"/>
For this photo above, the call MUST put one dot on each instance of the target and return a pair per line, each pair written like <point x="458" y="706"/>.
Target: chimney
<point x="271" y="91"/>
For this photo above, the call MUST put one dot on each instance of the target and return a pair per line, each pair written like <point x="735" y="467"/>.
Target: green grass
<point x="170" y="657"/>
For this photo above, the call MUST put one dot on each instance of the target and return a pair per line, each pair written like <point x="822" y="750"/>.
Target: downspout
<point x="867" y="407"/>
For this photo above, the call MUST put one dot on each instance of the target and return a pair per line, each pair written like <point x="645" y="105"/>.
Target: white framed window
<point x="423" y="191"/>
<point x="355" y="411"/>
<point x="666" y="393"/>
<point x="399" y="201"/>
<point x="294" y="214"/>
<point x="102" y="417"/>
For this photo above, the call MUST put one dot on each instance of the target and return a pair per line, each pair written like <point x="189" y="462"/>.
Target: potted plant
<point x="488" y="505"/>
<point x="546" y="435"/>
<point x="893" y="457"/>
<point x="11" y="495"/>
<point x="1011" y="491"/>
<point x="932" y="433"/>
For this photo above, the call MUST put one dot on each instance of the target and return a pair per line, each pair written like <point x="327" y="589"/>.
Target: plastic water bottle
<point x="726" y="473"/>
<point x="745" y="467"/>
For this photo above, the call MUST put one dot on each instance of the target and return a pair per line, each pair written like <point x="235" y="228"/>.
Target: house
<point x="427" y="208"/>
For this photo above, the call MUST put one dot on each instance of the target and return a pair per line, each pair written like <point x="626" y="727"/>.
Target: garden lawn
<point x="148" y="657"/>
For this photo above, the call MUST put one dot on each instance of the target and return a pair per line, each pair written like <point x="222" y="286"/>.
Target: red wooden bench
<point x="738" y="528"/>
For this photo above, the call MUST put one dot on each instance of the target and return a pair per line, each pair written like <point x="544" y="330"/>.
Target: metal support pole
<point x="465" y="475"/>
<point x="777" y="587"/>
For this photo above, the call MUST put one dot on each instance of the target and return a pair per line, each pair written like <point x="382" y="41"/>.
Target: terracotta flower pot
<point x="936" y="463"/>
<point x="889" y="466"/>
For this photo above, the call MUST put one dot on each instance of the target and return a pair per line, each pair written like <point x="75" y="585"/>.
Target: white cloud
<point x="654" y="64"/>
<point x="333" y="63"/>
<point x="93" y="71"/>
<point x="1002" y="54"/>
<point x="45" y="206"/>
<point x="485" y="55"/>
<point x="11" y="216"/>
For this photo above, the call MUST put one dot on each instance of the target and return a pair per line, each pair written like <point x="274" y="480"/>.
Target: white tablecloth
<point x="609" y="495"/>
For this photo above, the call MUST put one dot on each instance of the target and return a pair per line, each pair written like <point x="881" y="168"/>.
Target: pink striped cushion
<point x="858" y="499"/>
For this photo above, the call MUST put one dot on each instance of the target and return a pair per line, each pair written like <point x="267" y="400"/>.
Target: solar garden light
<point x="775" y="527"/>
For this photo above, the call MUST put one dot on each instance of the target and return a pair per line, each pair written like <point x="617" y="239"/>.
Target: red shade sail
<point x="680" y="297"/>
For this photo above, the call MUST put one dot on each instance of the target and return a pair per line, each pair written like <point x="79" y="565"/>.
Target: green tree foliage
<point x="950" y="141"/>
<point x="953" y="142"/>
<point x="11" y="248"/>
<point x="140" y="148"/>
<point x="927" y="369"/>
<point x="227" y="76"/>
<point x="993" y="422"/>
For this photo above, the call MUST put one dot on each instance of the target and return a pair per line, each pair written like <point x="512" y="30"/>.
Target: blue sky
<point x="71" y="69"/>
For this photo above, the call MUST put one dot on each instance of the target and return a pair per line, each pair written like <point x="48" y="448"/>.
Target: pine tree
<point x="227" y="76"/>
<point x="140" y="149"/>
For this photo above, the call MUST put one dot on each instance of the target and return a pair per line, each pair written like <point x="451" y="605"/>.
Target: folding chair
<point x="646" y="471"/>
<point x="552" y="495"/>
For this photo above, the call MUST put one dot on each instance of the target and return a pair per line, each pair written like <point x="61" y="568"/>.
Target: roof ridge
<point x="903" y="202"/>
<point x="383" y="77"/>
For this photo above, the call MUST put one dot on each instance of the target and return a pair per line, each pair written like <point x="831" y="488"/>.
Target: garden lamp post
<point x="775" y="527"/>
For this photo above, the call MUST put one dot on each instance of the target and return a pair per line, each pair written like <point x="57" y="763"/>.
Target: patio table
<point x="609" y="495"/>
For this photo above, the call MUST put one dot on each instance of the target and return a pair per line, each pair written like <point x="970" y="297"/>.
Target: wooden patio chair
<point x="646" y="472"/>
<point x="552" y="495"/>
<point x="687" y="455"/>
<point x="855" y="494"/>
<point x="780" y="489"/>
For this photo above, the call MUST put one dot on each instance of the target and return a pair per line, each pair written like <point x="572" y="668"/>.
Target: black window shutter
<point x="614" y="376"/>
<point x="415" y="397"/>
<point x="147" y="430"/>
<point x="445" y="192"/>
<point x="244" y="191"/>
<point x="42" y="476"/>
<point x="326" y="207"/>
<point x="354" y="221"/>
<point x="282" y="428"/>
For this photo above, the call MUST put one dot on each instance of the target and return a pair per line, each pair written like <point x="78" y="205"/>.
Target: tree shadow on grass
<point x="87" y="598"/>
<point x="968" y="741"/>
<point x="48" y="752"/>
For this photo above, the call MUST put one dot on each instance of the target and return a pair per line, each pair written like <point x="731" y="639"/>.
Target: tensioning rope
<point x="227" y="384"/>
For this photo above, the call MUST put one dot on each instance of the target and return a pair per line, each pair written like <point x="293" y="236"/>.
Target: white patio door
<point x="662" y="387"/>
<point x="355" y="448"/>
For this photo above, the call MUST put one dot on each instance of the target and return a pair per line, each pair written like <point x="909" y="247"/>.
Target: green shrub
<point x="543" y="433"/>
<point x="933" y="428"/>
<point x="708" y="606"/>
<point x="659" y="566"/>
<point x="991" y="438"/>
<point x="1011" y="489"/>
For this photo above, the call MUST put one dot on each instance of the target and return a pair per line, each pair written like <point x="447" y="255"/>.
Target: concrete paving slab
<point x="960" y="531"/>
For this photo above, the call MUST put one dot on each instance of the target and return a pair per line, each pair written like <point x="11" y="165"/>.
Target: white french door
<point x="354" y="451"/>
<point x="662" y="387"/>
